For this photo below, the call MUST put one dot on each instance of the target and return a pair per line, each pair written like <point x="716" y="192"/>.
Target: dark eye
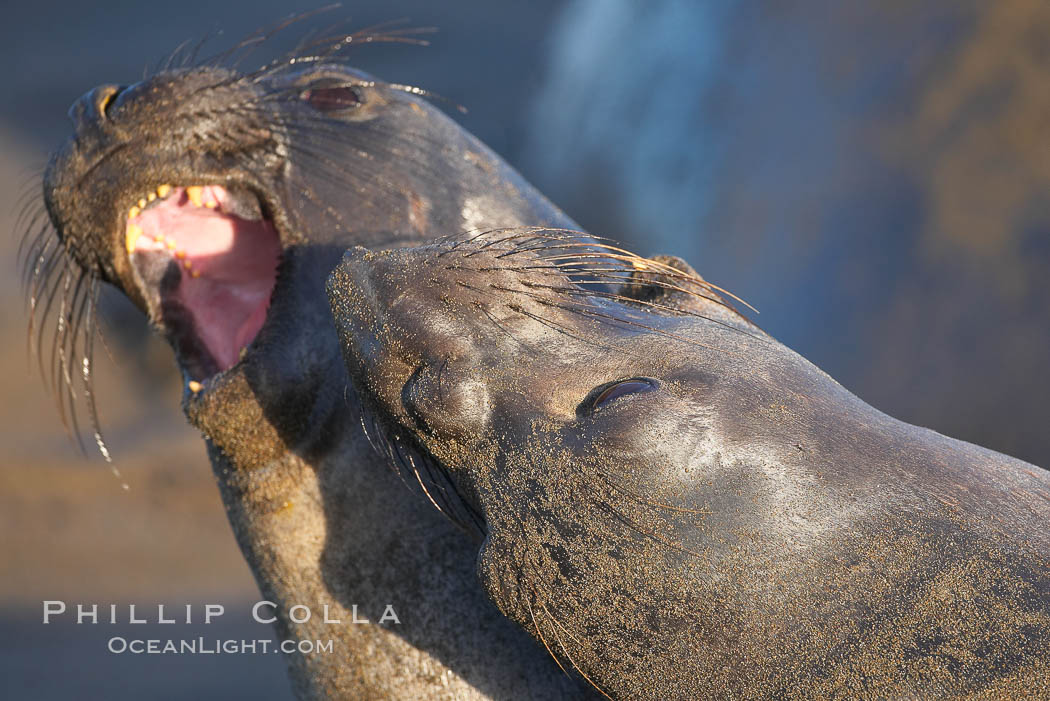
<point x="332" y="98"/>
<point x="605" y="394"/>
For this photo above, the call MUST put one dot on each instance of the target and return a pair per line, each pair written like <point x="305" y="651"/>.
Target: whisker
<point x="191" y="59"/>
<point x="652" y="305"/>
<point x="171" y="57"/>
<point x="645" y="500"/>
<point x="69" y="352"/>
<point x="648" y="534"/>
<point x="56" y="283"/>
<point x="567" y="331"/>
<point x="88" y="380"/>
<point x="611" y="318"/>
<point x="539" y="634"/>
<point x="569" y="657"/>
<point x="264" y="34"/>
<point x="45" y="285"/>
<point x="648" y="265"/>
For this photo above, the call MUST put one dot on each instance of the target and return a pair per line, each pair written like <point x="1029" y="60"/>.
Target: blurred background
<point x="871" y="176"/>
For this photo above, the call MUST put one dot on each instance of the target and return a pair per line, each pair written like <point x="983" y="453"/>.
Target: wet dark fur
<point x="320" y="518"/>
<point x="749" y="529"/>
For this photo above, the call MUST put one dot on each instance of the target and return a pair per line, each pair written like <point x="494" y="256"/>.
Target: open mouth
<point x="205" y="260"/>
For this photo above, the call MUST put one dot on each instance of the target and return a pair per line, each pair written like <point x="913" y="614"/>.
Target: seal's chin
<point x="205" y="260"/>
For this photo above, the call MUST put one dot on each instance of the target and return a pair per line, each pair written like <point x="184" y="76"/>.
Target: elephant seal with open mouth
<point x="674" y="504"/>
<point x="218" y="201"/>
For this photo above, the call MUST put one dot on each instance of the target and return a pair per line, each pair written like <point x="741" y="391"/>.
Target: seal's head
<point x="668" y="499"/>
<point x="218" y="200"/>
<point x="551" y="394"/>
<point x="475" y="348"/>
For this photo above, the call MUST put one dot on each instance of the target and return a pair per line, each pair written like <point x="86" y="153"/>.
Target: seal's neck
<point x="341" y="535"/>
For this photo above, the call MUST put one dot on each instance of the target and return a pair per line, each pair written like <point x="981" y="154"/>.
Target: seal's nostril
<point x="91" y="108"/>
<point x="104" y="96"/>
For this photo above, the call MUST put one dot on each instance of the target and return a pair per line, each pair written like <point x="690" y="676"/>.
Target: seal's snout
<point x="351" y="288"/>
<point x="386" y="306"/>
<point x="356" y="304"/>
<point x="351" y="257"/>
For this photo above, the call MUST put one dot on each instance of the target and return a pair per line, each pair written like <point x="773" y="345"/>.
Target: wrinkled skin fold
<point x="218" y="201"/>
<point x="678" y="506"/>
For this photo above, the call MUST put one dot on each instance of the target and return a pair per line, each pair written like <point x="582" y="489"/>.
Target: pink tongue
<point x="228" y="266"/>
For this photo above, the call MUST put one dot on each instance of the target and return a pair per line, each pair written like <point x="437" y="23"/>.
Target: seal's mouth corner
<point x="205" y="260"/>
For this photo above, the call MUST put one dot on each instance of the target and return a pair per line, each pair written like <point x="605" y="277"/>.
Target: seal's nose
<point x="90" y="109"/>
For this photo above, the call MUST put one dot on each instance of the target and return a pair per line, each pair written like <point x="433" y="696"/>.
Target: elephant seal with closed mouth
<point x="218" y="201"/>
<point x="674" y="504"/>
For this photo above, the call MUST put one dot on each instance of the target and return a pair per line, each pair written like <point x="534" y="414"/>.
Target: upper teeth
<point x="235" y="201"/>
<point x="196" y="195"/>
<point x="134" y="231"/>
